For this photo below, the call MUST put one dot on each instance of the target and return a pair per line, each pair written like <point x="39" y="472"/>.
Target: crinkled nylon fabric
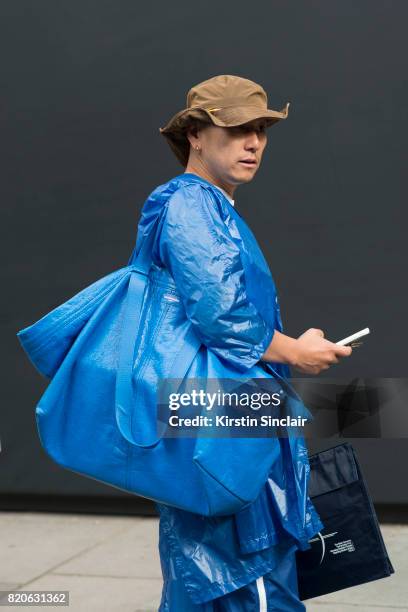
<point x="275" y="590"/>
<point x="229" y="296"/>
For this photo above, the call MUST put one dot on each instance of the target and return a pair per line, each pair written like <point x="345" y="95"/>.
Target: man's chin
<point x="245" y="175"/>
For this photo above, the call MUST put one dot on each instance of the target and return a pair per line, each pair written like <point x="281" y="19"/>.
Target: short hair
<point x="193" y="122"/>
<point x="177" y="138"/>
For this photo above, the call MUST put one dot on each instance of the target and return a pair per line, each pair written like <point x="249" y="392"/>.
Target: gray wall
<point x="86" y="86"/>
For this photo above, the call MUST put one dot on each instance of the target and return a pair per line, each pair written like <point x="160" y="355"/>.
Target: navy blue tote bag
<point x="350" y="550"/>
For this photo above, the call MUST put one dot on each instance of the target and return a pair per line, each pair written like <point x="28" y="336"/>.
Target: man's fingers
<point x="343" y="351"/>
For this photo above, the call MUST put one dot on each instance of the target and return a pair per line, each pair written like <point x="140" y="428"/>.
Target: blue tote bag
<point x="89" y="421"/>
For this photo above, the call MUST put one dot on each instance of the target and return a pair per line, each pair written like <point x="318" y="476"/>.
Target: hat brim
<point x="232" y="116"/>
<point x="228" y="116"/>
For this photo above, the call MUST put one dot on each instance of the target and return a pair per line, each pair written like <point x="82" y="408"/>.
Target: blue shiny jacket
<point x="228" y="294"/>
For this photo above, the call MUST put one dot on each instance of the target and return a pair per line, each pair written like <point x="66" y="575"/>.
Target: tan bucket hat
<point x="225" y="100"/>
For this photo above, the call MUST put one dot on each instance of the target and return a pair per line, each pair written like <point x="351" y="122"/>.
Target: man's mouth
<point x="248" y="162"/>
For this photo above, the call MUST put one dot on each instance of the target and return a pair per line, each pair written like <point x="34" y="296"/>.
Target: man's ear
<point x="192" y="129"/>
<point x="191" y="133"/>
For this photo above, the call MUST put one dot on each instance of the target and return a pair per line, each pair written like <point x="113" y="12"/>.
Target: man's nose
<point x="253" y="141"/>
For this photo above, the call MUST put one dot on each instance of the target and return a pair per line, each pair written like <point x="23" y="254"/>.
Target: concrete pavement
<point x="112" y="563"/>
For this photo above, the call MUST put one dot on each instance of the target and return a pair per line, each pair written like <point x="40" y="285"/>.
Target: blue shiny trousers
<point x="275" y="590"/>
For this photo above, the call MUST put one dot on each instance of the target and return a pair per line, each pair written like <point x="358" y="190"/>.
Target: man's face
<point x="232" y="155"/>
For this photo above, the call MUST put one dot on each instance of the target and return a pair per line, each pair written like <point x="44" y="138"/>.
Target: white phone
<point x="354" y="337"/>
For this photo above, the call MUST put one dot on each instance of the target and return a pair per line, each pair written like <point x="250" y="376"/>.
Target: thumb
<point x="343" y="351"/>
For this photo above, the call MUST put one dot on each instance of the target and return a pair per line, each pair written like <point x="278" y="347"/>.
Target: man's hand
<point x="313" y="353"/>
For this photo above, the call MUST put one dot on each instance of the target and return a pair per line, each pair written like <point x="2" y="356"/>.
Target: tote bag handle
<point x="127" y="419"/>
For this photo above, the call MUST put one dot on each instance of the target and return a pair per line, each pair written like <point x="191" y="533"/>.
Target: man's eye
<point x="245" y="129"/>
<point x="258" y="128"/>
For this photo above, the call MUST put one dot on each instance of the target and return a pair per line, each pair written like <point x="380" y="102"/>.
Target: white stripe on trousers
<point x="262" y="594"/>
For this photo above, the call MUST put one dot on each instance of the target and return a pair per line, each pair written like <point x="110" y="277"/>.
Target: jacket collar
<point x="195" y="178"/>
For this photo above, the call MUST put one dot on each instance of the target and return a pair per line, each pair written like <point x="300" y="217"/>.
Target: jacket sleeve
<point x="195" y="245"/>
